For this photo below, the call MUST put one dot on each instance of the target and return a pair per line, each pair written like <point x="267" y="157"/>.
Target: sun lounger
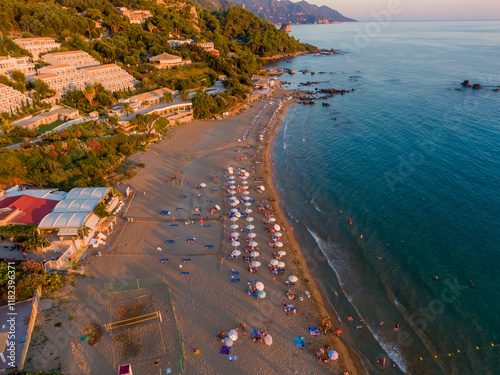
<point x="252" y="294"/>
<point x="228" y="196"/>
<point x="184" y="273"/>
<point x="208" y="246"/>
<point x="210" y="200"/>
<point x="313" y="331"/>
<point x="173" y="225"/>
<point x="292" y="309"/>
<point x="165" y="212"/>
<point x="207" y="225"/>
<point x="196" y="215"/>
<point x="245" y="230"/>
<point x="252" y="280"/>
<point x="186" y="260"/>
<point x="165" y="260"/>
<point x="199" y="196"/>
<point x="235" y="272"/>
<point x="179" y="209"/>
<point x="182" y="196"/>
<point x="281" y="270"/>
<point x="169" y="241"/>
<point x="232" y="357"/>
<point x="224" y="350"/>
<point x="215" y="191"/>
<point x="190" y="240"/>
<point x="290" y="284"/>
<point x="231" y="257"/>
<point x="300" y="342"/>
<point x="233" y="280"/>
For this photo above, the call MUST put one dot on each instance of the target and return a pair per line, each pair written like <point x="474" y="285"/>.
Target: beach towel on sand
<point x="225" y="349"/>
<point x="314" y="331"/>
<point x="300" y="342"/>
<point x="232" y="357"/>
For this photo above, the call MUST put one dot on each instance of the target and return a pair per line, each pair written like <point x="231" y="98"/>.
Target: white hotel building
<point x="63" y="78"/>
<point x="79" y="59"/>
<point x="11" y="99"/>
<point x="110" y="76"/>
<point x="22" y="64"/>
<point x="37" y="45"/>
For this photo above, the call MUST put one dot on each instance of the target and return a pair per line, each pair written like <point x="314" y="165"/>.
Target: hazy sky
<point x="363" y="10"/>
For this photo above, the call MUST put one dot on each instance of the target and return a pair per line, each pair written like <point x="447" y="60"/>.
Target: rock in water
<point x="466" y="83"/>
<point x="477" y="86"/>
<point x="286" y="28"/>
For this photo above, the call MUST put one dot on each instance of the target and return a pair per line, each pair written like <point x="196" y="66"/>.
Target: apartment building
<point x="206" y="45"/>
<point x="11" y="99"/>
<point x="178" y="42"/>
<point x="63" y="78"/>
<point x="23" y="64"/>
<point x="37" y="45"/>
<point x="135" y="16"/>
<point x="79" y="59"/>
<point x="110" y="76"/>
<point x="165" y="61"/>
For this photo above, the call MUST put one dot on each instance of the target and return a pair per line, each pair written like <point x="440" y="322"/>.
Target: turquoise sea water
<point x="416" y="165"/>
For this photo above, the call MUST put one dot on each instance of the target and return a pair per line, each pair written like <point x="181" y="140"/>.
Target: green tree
<point x="183" y="95"/>
<point x="5" y="125"/>
<point x="168" y="97"/>
<point x="127" y="109"/>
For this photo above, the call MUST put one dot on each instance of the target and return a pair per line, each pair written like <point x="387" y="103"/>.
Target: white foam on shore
<point x="330" y="251"/>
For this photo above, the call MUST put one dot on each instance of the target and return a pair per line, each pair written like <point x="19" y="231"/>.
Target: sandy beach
<point x="189" y="299"/>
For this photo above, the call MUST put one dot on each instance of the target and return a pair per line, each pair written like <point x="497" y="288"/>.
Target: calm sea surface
<point x="416" y="165"/>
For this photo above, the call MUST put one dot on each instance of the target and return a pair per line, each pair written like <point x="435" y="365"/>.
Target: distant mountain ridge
<point x="285" y="11"/>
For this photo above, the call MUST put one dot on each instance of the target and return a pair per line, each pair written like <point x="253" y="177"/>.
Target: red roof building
<point x="25" y="209"/>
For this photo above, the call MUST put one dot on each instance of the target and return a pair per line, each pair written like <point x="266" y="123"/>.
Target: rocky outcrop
<point x="286" y="28"/>
<point x="477" y="86"/>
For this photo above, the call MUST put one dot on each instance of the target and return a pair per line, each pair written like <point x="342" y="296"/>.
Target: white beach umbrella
<point x="293" y="279"/>
<point x="333" y="355"/>
<point x="235" y="226"/>
<point x="281" y="253"/>
<point x="235" y="243"/>
<point x="273" y="262"/>
<point x="228" y="342"/>
<point x="231" y="177"/>
<point x="234" y="210"/>
<point x="233" y="335"/>
<point x="281" y="264"/>
<point x="261" y="294"/>
<point x="246" y="174"/>
<point x="244" y="178"/>
<point x="251" y="235"/>
<point x="232" y="187"/>
<point x="246" y="192"/>
<point x="236" y="201"/>
<point x="259" y="286"/>
<point x="250" y="226"/>
<point x="217" y="207"/>
<point x="234" y="218"/>
<point x="271" y="219"/>
<point x="232" y="191"/>
<point x="234" y="204"/>
<point x="203" y="184"/>
<point x="255" y="263"/>
<point x="254" y="254"/>
<point x="268" y="339"/>
<point x="278" y="234"/>
<point x="245" y="187"/>
<point x="249" y="219"/>
<point x="277" y="227"/>
<point x="253" y="244"/>
<point x="261" y="187"/>
<point x="236" y="253"/>
<point x="248" y="204"/>
<point x="237" y="214"/>
<point x="244" y="182"/>
<point x="278" y="244"/>
<point x="235" y="234"/>
<point x="248" y="211"/>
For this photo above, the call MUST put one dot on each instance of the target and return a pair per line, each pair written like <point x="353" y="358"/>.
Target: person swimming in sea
<point x="350" y="221"/>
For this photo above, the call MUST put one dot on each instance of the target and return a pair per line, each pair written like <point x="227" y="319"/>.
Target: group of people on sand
<point x="322" y="354"/>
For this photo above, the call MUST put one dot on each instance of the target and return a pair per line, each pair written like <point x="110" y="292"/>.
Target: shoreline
<point x="322" y="302"/>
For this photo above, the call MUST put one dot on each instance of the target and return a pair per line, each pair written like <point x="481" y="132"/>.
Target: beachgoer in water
<point x="350" y="221"/>
<point x="396" y="327"/>
<point x="436" y="278"/>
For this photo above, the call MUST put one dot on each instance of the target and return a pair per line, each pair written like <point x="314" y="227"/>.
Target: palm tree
<point x="127" y="109"/>
<point x="5" y="125"/>
<point x="89" y="93"/>
<point x="168" y="97"/>
<point x="183" y="95"/>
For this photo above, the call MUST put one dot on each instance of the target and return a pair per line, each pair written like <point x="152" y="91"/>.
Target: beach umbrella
<point x="251" y="235"/>
<point x="277" y="227"/>
<point x="254" y="254"/>
<point x="235" y="243"/>
<point x="249" y="219"/>
<point x="253" y="244"/>
<point x="333" y="355"/>
<point x="268" y="340"/>
<point x="278" y="234"/>
<point x="237" y="214"/>
<point x="232" y="191"/>
<point x="233" y="335"/>
<point x="234" y="210"/>
<point x="278" y="244"/>
<point x="248" y="204"/>
<point x="293" y="279"/>
<point x="246" y="192"/>
<point x="261" y="187"/>
<point x="261" y="294"/>
<point x="248" y="211"/>
<point x="250" y="226"/>
<point x="203" y="184"/>
<point x="259" y="286"/>
<point x="234" y="218"/>
<point x="271" y="219"/>
<point x="244" y="182"/>
<point x="217" y="207"/>
<point x="235" y="200"/>
<point x="231" y="177"/>
<point x="281" y="264"/>
<point x="236" y="253"/>
<point x="228" y="342"/>
<point x="234" y="204"/>
<point x="244" y="178"/>
<point x="246" y="174"/>
<point x="235" y="226"/>
<point x="281" y="253"/>
<point x="273" y="262"/>
<point x="255" y="264"/>
<point x="245" y="187"/>
<point x="232" y="187"/>
<point x="235" y="234"/>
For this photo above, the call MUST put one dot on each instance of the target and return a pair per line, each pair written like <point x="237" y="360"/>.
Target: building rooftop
<point x="100" y="67"/>
<point x="31" y="209"/>
<point x="88" y="193"/>
<point x="164" y="56"/>
<point x="59" y="66"/>
<point x="65" y="53"/>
